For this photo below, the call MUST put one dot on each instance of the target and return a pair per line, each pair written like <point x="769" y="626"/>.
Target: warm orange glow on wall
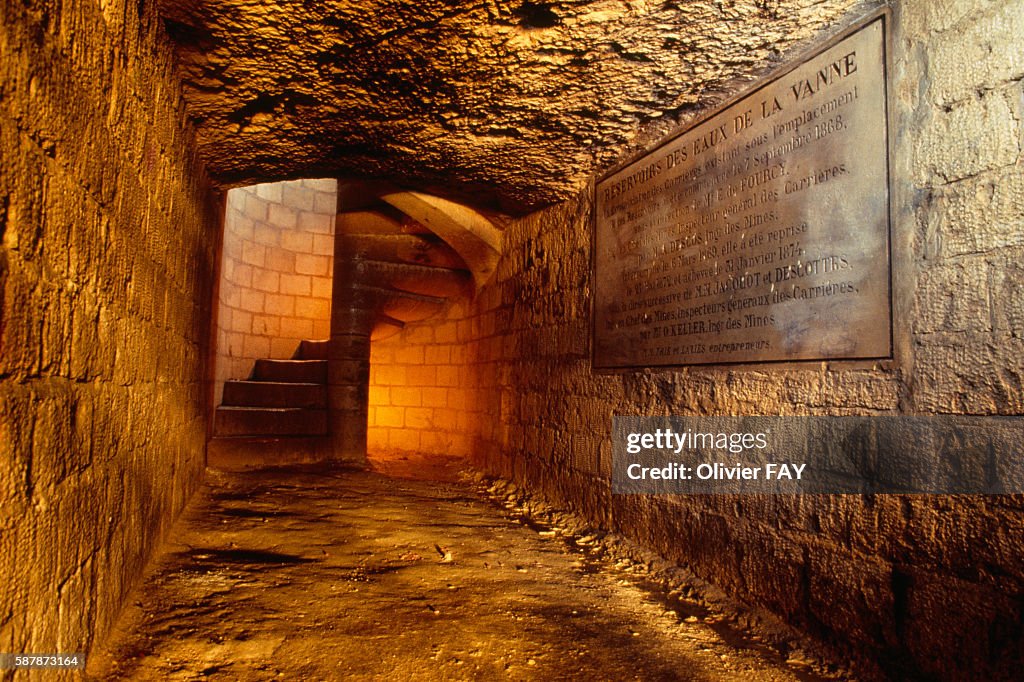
<point x="419" y="390"/>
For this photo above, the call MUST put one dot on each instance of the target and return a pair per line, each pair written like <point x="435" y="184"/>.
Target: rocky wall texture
<point x="109" y="232"/>
<point x="276" y="265"/>
<point x="916" y="586"/>
<point x="507" y="104"/>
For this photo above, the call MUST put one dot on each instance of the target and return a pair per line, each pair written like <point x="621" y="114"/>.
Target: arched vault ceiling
<point x="509" y="105"/>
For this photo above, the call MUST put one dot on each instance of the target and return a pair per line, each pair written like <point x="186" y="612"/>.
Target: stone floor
<point x="323" y="575"/>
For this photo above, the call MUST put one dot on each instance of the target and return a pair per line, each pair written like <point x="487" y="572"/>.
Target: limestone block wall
<point x="959" y="92"/>
<point x="109" y="232"/>
<point x="916" y="585"/>
<point x="275" y="286"/>
<point x="424" y="395"/>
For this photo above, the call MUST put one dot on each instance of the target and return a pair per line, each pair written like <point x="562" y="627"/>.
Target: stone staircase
<point x="407" y="255"/>
<point x="280" y="411"/>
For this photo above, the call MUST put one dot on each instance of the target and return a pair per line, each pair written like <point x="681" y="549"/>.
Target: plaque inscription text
<point x="761" y="233"/>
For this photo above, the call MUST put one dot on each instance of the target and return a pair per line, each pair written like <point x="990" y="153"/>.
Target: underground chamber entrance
<point x="304" y="262"/>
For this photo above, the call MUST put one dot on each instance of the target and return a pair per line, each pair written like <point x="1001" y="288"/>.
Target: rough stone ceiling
<point x="509" y="105"/>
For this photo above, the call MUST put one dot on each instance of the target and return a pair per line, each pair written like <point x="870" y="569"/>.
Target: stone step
<point x="274" y="394"/>
<point x="312" y="349"/>
<point x="408" y="248"/>
<point x="291" y="371"/>
<point x="415" y="279"/>
<point x="241" y="453"/>
<point x="269" y="421"/>
<point x="388" y="293"/>
<point x="403" y="305"/>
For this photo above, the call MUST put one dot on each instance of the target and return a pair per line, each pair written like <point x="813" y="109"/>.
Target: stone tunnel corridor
<point x="512" y="339"/>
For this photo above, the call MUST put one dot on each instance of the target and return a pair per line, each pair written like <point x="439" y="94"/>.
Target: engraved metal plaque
<point x="760" y="233"/>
